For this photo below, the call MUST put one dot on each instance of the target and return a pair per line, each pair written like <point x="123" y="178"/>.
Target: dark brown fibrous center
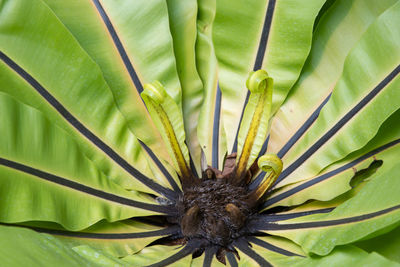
<point x="214" y="210"/>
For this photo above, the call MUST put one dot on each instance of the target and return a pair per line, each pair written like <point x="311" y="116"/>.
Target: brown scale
<point x="216" y="207"/>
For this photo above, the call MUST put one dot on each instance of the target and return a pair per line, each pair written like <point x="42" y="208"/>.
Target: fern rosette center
<point x="214" y="209"/>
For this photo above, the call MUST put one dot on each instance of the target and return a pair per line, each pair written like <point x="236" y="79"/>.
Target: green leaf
<point x="32" y="249"/>
<point x="363" y="98"/>
<point x="118" y="239"/>
<point x="375" y="207"/>
<point x="386" y="245"/>
<point x="169" y="120"/>
<point x="336" y="179"/>
<point x="96" y="258"/>
<point x="155" y="254"/>
<point x="254" y="126"/>
<point x="270" y="251"/>
<point x="121" y="56"/>
<point x="347" y="256"/>
<point x="342" y="256"/>
<point x="210" y="129"/>
<point x="69" y="88"/>
<point x="273" y="35"/>
<point x="80" y="157"/>
<point x="183" y="24"/>
<point x="339" y="29"/>
<point x="44" y="176"/>
<point x="150" y="44"/>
